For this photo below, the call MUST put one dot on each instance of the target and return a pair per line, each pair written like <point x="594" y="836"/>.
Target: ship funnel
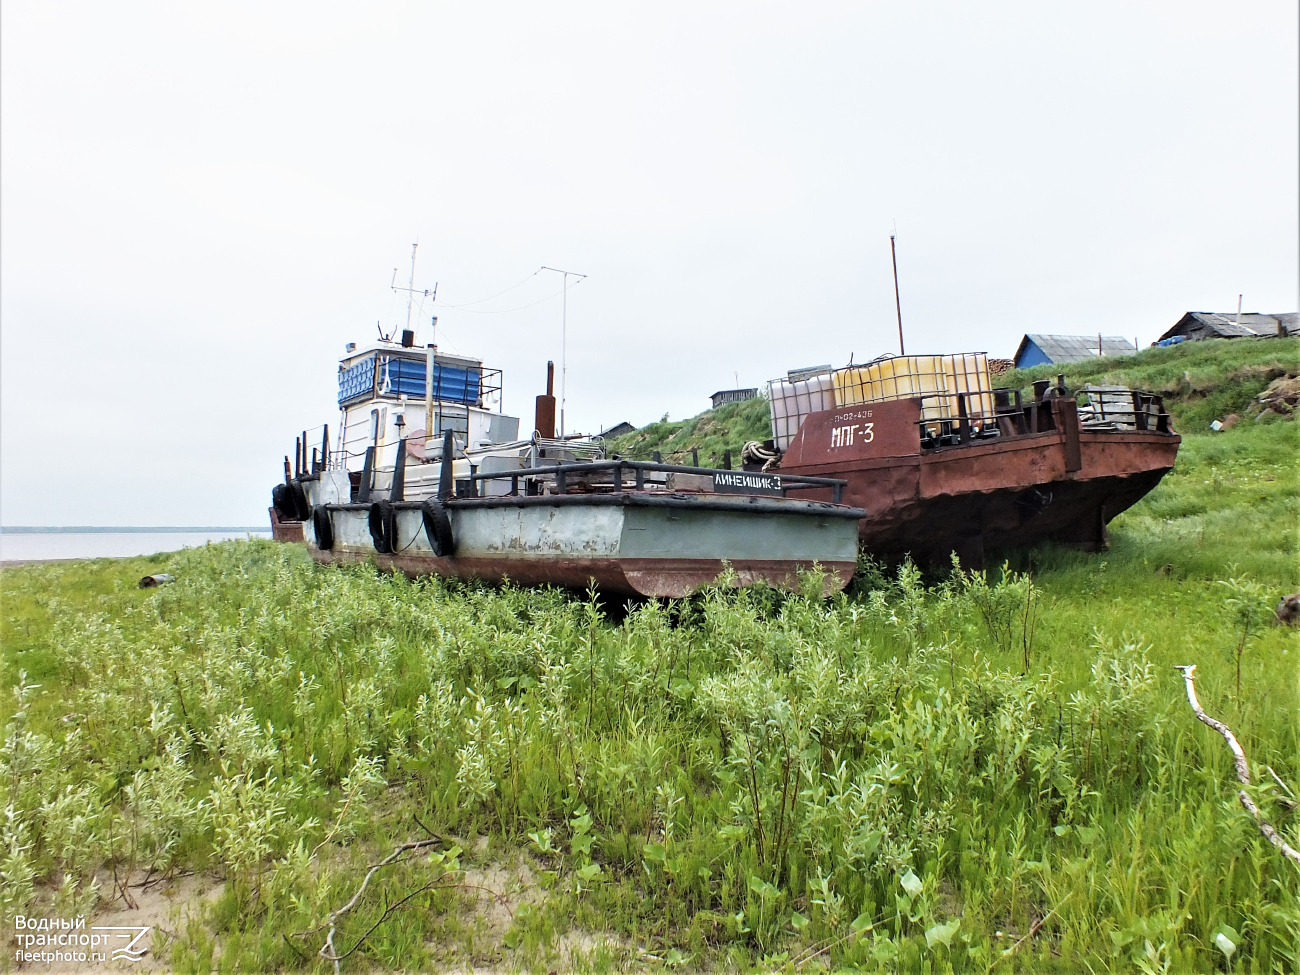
<point x="545" y="420"/>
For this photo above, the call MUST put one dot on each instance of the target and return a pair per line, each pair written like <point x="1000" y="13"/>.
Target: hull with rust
<point x="630" y="543"/>
<point x="1062" y="484"/>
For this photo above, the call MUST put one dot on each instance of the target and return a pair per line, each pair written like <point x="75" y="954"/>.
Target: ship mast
<point x="898" y="302"/>
<point x="410" y="288"/>
<point x="564" y="337"/>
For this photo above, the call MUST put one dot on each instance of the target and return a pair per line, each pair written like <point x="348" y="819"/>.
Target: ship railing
<point x="372" y="476"/>
<point x="309" y="460"/>
<point x="974" y="418"/>
<point x="1106" y="407"/>
<point x="636" y="475"/>
<point x="581" y="448"/>
<point x="1121" y="408"/>
<point x="1010" y="417"/>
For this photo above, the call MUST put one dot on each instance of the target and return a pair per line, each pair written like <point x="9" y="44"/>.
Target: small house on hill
<point x="617" y="430"/>
<point x="732" y="396"/>
<point x="1035" y="350"/>
<point x="1230" y="325"/>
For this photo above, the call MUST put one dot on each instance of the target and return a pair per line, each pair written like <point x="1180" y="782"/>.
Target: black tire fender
<point x="383" y="526"/>
<point x="302" y="510"/>
<point x="324" y="528"/>
<point x="437" y="527"/>
<point x="282" y="501"/>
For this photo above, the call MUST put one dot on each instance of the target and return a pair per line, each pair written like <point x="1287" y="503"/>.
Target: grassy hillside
<point x="727" y="428"/>
<point x="961" y="773"/>
<point x="1201" y="382"/>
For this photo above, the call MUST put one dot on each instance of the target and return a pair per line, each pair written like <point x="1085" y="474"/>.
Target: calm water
<point x="94" y="545"/>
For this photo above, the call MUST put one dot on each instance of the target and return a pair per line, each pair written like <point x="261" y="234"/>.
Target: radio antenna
<point x="898" y="303"/>
<point x="410" y="289"/>
<point x="564" y="335"/>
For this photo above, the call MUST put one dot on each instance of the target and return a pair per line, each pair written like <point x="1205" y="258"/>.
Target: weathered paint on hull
<point x="997" y="493"/>
<point x="284" y="530"/>
<point x="665" y="578"/>
<point x="631" y="545"/>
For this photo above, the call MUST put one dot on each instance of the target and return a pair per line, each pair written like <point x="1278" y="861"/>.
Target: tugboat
<point x="943" y="462"/>
<point x="427" y="475"/>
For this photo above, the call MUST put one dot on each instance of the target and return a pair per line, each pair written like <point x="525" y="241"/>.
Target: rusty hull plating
<point x="656" y="578"/>
<point x="1042" y="476"/>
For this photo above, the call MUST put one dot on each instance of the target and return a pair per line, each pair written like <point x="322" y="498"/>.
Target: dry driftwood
<point x="330" y="953"/>
<point x="327" y="950"/>
<point x="1243" y="769"/>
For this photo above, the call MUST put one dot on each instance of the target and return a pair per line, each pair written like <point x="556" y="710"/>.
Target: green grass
<point x="1201" y="381"/>
<point x="907" y="778"/>
<point x="710" y="433"/>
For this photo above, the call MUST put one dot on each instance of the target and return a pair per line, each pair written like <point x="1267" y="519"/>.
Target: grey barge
<point x="462" y="495"/>
<point x="632" y="529"/>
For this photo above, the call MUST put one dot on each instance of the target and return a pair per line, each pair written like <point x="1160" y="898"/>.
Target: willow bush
<point x="885" y="780"/>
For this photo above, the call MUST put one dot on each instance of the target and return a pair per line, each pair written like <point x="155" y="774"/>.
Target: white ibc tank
<point x="792" y="401"/>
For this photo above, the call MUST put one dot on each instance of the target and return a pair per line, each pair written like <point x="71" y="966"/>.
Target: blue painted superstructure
<point x="357" y="380"/>
<point x="405" y="377"/>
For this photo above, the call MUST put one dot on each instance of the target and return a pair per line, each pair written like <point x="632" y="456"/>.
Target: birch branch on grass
<point x="1243" y="769"/>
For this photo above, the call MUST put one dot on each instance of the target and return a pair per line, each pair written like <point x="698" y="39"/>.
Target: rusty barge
<point x="942" y="462"/>
<point x="424" y="476"/>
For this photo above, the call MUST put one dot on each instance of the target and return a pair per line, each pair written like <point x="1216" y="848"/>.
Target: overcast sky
<point x="200" y="204"/>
